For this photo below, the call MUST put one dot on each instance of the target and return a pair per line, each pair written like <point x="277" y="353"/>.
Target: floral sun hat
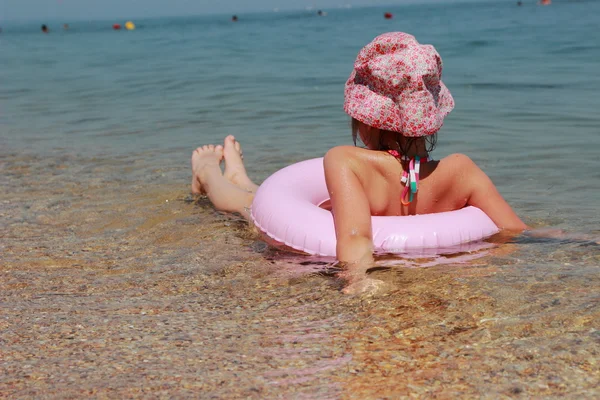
<point x="396" y="85"/>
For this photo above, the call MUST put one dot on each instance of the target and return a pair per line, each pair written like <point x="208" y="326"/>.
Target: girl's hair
<point x="404" y="143"/>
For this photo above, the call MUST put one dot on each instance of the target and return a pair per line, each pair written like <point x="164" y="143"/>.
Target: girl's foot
<point x="204" y="160"/>
<point x="235" y="171"/>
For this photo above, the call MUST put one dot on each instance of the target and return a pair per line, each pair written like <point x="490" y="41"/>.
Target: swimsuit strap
<point x="410" y="178"/>
<point x="397" y="155"/>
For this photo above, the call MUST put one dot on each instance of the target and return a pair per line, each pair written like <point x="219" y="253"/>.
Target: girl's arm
<point x="351" y="215"/>
<point x="482" y="194"/>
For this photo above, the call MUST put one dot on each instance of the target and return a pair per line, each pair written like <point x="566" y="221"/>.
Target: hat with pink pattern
<point x="396" y="85"/>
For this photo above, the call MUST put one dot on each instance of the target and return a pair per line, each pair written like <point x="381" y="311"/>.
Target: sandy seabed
<point x="115" y="284"/>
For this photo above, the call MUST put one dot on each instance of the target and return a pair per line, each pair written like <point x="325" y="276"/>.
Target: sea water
<point x="524" y="80"/>
<point x="96" y="131"/>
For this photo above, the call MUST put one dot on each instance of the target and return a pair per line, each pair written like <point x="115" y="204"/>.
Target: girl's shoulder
<point x="458" y="161"/>
<point x="352" y="154"/>
<point x="345" y="150"/>
<point x="358" y="158"/>
<point x="345" y="155"/>
<point x="352" y="158"/>
<point x="459" y="167"/>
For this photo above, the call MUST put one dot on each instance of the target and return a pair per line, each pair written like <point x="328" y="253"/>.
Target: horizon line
<point x="247" y="12"/>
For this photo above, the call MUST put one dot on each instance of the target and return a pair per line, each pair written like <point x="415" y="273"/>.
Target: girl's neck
<point x="412" y="153"/>
<point x="408" y="147"/>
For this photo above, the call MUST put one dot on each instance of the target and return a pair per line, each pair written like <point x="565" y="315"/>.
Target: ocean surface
<point x="96" y="132"/>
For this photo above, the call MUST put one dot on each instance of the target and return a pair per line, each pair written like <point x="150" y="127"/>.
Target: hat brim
<point x="382" y="112"/>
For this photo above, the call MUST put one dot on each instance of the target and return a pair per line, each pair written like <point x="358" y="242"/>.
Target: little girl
<point x="397" y="102"/>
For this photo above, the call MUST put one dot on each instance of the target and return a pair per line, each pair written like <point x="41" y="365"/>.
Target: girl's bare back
<point x="380" y="176"/>
<point x="446" y="185"/>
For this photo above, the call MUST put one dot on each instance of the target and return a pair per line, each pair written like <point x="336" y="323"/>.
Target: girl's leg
<point x="235" y="171"/>
<point x="196" y="185"/>
<point x="208" y="178"/>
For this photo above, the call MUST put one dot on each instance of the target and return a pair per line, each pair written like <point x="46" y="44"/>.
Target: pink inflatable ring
<point x="286" y="209"/>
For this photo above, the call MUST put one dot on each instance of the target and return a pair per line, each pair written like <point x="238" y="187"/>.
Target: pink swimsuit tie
<point x="410" y="178"/>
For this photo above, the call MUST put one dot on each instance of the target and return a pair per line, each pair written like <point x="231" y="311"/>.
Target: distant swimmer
<point x="321" y="13"/>
<point x="45" y="29"/>
<point x="545" y="2"/>
<point x="519" y="3"/>
<point x="66" y="27"/>
<point x="234" y="18"/>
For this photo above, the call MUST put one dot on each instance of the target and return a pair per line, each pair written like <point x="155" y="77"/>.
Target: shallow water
<point x="116" y="283"/>
<point x="152" y="294"/>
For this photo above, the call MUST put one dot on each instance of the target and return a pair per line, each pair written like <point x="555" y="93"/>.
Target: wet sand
<point x="116" y="284"/>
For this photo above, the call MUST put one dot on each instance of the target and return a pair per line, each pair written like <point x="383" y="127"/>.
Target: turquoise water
<point x="524" y="80"/>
